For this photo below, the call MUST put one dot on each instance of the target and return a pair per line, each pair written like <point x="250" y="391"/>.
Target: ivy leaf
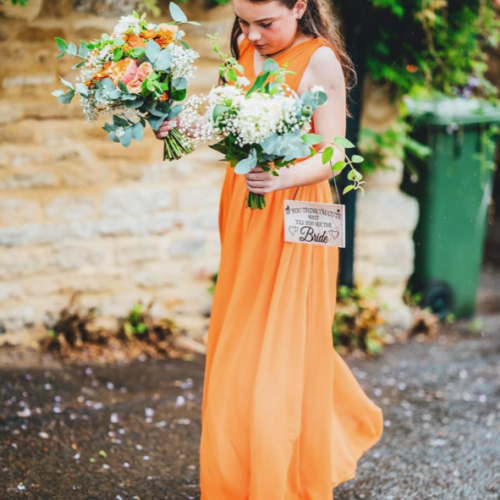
<point x="343" y="142"/>
<point x="348" y="188"/>
<point x="311" y="139"/>
<point x="327" y="154"/>
<point x="176" y="12"/>
<point x="339" y="166"/>
<point x="357" y="159"/>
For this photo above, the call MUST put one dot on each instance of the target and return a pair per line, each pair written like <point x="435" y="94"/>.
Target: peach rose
<point x="124" y="71"/>
<point x="143" y="71"/>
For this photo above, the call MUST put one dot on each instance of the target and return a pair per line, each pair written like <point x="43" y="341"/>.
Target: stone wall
<point x="81" y="213"/>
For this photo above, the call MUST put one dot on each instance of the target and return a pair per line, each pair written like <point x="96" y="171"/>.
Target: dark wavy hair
<point x="319" y="21"/>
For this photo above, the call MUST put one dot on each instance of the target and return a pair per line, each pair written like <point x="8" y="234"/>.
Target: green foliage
<point x="435" y="45"/>
<point x="394" y="142"/>
<point x="22" y="3"/>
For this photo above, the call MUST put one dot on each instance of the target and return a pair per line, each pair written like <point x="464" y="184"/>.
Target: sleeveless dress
<point x="283" y="417"/>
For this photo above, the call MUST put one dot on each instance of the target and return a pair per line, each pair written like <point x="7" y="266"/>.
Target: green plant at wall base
<point x="134" y="323"/>
<point x="357" y="321"/>
<point x="22" y="3"/>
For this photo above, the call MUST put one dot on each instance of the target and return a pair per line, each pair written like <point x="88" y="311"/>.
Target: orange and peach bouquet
<point x="138" y="74"/>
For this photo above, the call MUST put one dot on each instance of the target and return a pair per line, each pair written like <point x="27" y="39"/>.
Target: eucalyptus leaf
<point x="138" y="131"/>
<point x="67" y="97"/>
<point x="79" y="65"/>
<point x="68" y="84"/>
<point x="155" y="122"/>
<point x="113" y="137"/>
<point x="82" y="89"/>
<point x="152" y="51"/>
<point x="176" y="13"/>
<point x="270" y="65"/>
<point x="61" y="44"/>
<point x="244" y="166"/>
<point x="126" y="138"/>
<point x="174" y="112"/>
<point x="164" y="60"/>
<point x="120" y="122"/>
<point x="72" y="50"/>
<point x="137" y="103"/>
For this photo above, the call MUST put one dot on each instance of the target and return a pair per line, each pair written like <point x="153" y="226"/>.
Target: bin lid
<point x="444" y="110"/>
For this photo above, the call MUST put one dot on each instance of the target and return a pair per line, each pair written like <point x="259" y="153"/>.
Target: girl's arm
<point x="329" y="121"/>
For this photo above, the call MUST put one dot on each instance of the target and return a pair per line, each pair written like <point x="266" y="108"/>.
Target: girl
<point x="283" y="417"/>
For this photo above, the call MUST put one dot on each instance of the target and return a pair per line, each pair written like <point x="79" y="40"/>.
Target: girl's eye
<point x="267" y="25"/>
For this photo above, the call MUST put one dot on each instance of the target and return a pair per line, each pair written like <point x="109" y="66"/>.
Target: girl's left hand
<point x="262" y="182"/>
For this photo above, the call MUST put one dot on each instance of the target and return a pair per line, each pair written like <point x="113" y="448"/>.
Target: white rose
<point x="125" y="23"/>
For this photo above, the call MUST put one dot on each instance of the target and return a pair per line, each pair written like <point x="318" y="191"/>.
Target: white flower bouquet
<point x="138" y="74"/>
<point x="266" y="125"/>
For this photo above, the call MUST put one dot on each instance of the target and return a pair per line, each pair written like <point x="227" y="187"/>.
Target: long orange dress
<point x="283" y="417"/>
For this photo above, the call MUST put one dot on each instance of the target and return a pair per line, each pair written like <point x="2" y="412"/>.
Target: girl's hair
<point x="318" y="20"/>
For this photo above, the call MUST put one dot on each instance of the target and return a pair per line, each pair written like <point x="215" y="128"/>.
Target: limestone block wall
<point x="81" y="213"/>
<point x="385" y="220"/>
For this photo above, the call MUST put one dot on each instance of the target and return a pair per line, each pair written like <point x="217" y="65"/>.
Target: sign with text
<point x="315" y="223"/>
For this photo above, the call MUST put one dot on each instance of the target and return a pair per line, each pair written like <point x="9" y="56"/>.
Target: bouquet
<point x="137" y="74"/>
<point x="267" y="124"/>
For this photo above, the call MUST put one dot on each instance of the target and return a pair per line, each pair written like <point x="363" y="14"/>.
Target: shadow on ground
<point x="132" y="431"/>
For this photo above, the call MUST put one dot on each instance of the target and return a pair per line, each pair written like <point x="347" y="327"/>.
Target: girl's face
<point x="270" y="26"/>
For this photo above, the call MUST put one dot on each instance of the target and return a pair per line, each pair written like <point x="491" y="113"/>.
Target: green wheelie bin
<point x="453" y="186"/>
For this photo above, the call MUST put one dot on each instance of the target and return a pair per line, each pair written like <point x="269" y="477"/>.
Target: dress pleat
<point x="283" y="417"/>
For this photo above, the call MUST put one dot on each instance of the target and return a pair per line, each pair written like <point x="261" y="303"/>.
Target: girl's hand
<point x="166" y="127"/>
<point x="262" y="182"/>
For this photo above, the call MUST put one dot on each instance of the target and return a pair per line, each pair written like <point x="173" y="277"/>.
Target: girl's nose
<point x="253" y="35"/>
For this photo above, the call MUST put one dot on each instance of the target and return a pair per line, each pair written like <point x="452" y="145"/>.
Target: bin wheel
<point x="439" y="297"/>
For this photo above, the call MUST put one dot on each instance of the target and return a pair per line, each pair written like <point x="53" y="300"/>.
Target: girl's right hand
<point x="166" y="127"/>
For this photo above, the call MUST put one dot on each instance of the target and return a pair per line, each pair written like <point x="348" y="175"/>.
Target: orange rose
<point x="124" y="71"/>
<point x="164" y="97"/>
<point x="164" y="38"/>
<point x="134" y="41"/>
<point x="148" y="34"/>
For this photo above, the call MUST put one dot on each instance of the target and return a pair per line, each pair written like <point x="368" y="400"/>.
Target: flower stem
<point x="176" y="145"/>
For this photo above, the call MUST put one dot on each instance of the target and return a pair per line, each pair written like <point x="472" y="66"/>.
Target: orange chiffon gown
<point x="283" y="417"/>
